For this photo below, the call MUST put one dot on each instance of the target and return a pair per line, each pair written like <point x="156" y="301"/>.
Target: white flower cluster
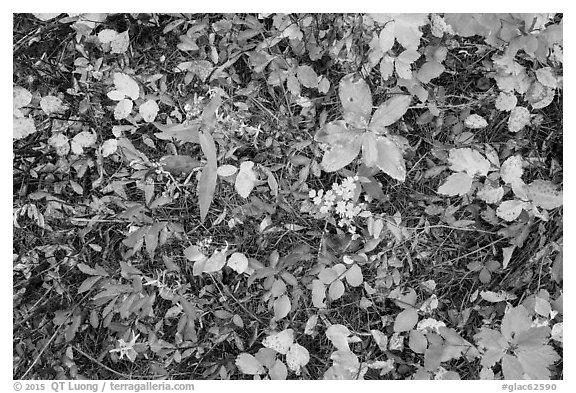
<point x="340" y="202"/>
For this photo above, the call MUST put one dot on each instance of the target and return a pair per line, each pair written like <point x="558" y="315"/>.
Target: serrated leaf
<point x="338" y="156"/>
<point x="206" y="189"/>
<point x="511" y="367"/>
<point x="417" y="342"/>
<point x="245" y="179"/>
<point x="389" y="112"/>
<point x="511" y="170"/>
<point x="519" y="118"/>
<point x="297" y="357"/>
<point x="506" y="101"/>
<point x="248" y="364"/>
<point x="280" y="342"/>
<point x="490" y="194"/>
<point x="406" y="320"/>
<point x="458" y="183"/>
<point x="515" y="321"/>
<point x="475" y="122"/>
<point x="22" y="127"/>
<point x="356" y="99"/>
<point x="354" y="276"/>
<point x="148" y="110"/>
<point x="307" y="76"/>
<point x="126" y="85"/>
<point x="536" y="361"/>
<point x="429" y="70"/>
<point x="545" y="194"/>
<point x="52" y="104"/>
<point x="545" y="75"/>
<point x="282" y="307"/>
<point x="510" y="210"/>
<point x="390" y="159"/>
<point x="336" y="290"/>
<point x="120" y="43"/>
<point x="469" y="161"/>
<point x="123" y="109"/>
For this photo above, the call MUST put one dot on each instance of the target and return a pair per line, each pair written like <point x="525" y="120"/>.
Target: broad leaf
<point x="430" y="70"/>
<point x="278" y="372"/>
<point x="307" y="76"/>
<point x="356" y="100"/>
<point x="390" y="159"/>
<point x="248" y="364"/>
<point x="389" y="112"/>
<point x="336" y="290"/>
<point x="148" y="111"/>
<point x="354" y="276"/>
<point x="280" y="342"/>
<point x="458" y="183"/>
<point x="510" y="210"/>
<point x="338" y="156"/>
<point x="238" y="262"/>
<point x="208" y="147"/>
<point x="406" y="320"/>
<point x="245" y="179"/>
<point x="297" y="357"/>
<point x="511" y="170"/>
<point x="545" y="194"/>
<point x="469" y="161"/>
<point x="215" y="263"/>
<point x="282" y="307"/>
<point x="338" y="334"/>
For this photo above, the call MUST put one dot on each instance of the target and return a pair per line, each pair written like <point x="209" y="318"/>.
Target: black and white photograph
<point x="287" y="196"/>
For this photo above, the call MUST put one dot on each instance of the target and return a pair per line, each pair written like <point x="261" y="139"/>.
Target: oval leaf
<point x="281" y="307"/>
<point x="390" y="112"/>
<point x="458" y="183"/>
<point x="406" y="320"/>
<point x="356" y="98"/>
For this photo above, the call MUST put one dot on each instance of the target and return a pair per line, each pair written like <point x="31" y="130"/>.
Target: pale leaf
<point x="248" y="364"/>
<point x="381" y="339"/>
<point x="506" y="101"/>
<point x="123" y="109"/>
<point x="386" y="37"/>
<point x="545" y="194"/>
<point x="126" y="85"/>
<point x="354" y="276"/>
<point x="206" y="189"/>
<point x="52" y="104"/>
<point x="545" y="75"/>
<point x="496" y="297"/>
<point x="278" y="372"/>
<point x="226" y="170"/>
<point x="390" y="159"/>
<point x="356" y="98"/>
<point x="512" y="368"/>
<point x="469" y="161"/>
<point x="536" y="361"/>
<point x="282" y="307"/>
<point x="490" y="194"/>
<point x="297" y="357"/>
<point x="246" y="179"/>
<point x="389" y="112"/>
<point x="148" y="111"/>
<point x="215" y="263"/>
<point x="511" y="170"/>
<point x="475" y="122"/>
<point x="22" y="97"/>
<point x="238" y="262"/>
<point x="417" y="342"/>
<point x="338" y="334"/>
<point x="22" y="127"/>
<point x="318" y="294"/>
<point x="338" y="156"/>
<point x="109" y="147"/>
<point x="336" y="290"/>
<point x="307" y="76"/>
<point x="458" y="183"/>
<point x="120" y="43"/>
<point x="280" y="342"/>
<point x="406" y="320"/>
<point x="510" y="210"/>
<point x="386" y="67"/>
<point x="519" y="118"/>
<point x="107" y="35"/>
<point x="407" y="29"/>
<point x="430" y="70"/>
